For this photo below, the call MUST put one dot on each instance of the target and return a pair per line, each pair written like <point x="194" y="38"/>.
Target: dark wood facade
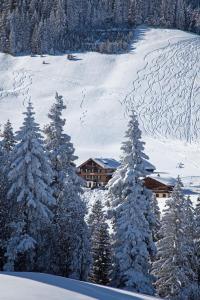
<point x="161" y="189"/>
<point x="94" y="174"/>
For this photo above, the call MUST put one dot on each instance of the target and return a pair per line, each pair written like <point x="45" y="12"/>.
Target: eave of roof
<point x="168" y="181"/>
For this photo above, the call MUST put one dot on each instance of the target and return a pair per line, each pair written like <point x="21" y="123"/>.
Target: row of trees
<point x="60" y="25"/>
<point x="177" y="263"/>
<point x="43" y="216"/>
<point x="150" y="254"/>
<point x="42" y="213"/>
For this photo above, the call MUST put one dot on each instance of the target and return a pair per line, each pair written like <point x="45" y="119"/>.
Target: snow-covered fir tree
<point x="156" y="211"/>
<point x="101" y="255"/>
<point x="197" y="236"/>
<point x="8" y="141"/>
<point x="96" y="215"/>
<point x="30" y="195"/>
<point x="70" y="247"/>
<point x="6" y="147"/>
<point x="100" y="245"/>
<point x="132" y="217"/>
<point x="190" y="232"/>
<point x="174" y="267"/>
<point x="3" y="210"/>
<point x="59" y="146"/>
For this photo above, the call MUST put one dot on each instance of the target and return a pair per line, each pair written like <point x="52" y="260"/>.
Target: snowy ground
<point x="159" y="77"/>
<point x="92" y="195"/>
<point x="33" y="286"/>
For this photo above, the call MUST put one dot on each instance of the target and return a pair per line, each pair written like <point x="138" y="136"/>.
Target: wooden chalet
<point x="161" y="186"/>
<point x="98" y="171"/>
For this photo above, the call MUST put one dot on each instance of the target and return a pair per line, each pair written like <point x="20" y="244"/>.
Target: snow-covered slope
<point x="33" y="286"/>
<point x="159" y="77"/>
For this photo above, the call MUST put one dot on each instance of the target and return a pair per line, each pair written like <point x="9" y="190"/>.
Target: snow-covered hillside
<point x="33" y="286"/>
<point x="159" y="77"/>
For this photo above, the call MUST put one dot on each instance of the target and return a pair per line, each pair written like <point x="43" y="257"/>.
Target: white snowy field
<point x="34" y="286"/>
<point x="159" y="77"/>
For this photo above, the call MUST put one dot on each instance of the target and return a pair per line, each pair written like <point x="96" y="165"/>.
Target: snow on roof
<point x="107" y="163"/>
<point x="111" y="163"/>
<point x="170" y="181"/>
<point x="148" y="165"/>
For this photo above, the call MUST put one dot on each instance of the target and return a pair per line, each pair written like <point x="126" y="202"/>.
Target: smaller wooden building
<point x="97" y="171"/>
<point x="161" y="186"/>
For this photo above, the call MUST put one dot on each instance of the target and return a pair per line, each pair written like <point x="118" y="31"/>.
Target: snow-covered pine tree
<point x="6" y="147"/>
<point x="100" y="245"/>
<point x="30" y="177"/>
<point x="70" y="248"/>
<point x="8" y="141"/>
<point x="176" y="278"/>
<point x="190" y="232"/>
<point x="3" y="215"/>
<point x="156" y="211"/>
<point x="197" y="236"/>
<point x="132" y="216"/>
<point x="96" y="215"/>
<point x="101" y="255"/>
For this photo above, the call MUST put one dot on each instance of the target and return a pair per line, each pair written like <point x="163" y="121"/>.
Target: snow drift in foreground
<point x="19" y="286"/>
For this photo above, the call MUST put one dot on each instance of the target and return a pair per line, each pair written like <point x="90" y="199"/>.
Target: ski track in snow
<point x="166" y="91"/>
<point x="22" y="80"/>
<point x="82" y="107"/>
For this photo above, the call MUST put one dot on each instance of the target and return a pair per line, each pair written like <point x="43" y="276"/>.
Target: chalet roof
<point x="111" y="163"/>
<point x="149" y="166"/>
<point x="107" y="163"/>
<point x="168" y="181"/>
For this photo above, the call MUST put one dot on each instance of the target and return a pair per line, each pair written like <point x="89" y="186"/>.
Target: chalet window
<point x="157" y="195"/>
<point x="164" y="195"/>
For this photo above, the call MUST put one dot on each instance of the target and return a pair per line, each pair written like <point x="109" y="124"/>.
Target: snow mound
<point x="19" y="286"/>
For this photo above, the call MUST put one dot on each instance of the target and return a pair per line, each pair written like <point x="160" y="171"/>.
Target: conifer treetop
<point x="30" y="173"/>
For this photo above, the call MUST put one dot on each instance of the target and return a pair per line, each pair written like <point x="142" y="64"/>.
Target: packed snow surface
<point x="159" y="77"/>
<point x="33" y="286"/>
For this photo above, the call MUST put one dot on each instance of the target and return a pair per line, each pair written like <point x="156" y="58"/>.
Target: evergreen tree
<point x="8" y="141"/>
<point x="30" y="195"/>
<point x="156" y="211"/>
<point x="70" y="247"/>
<point x="176" y="278"/>
<point x="3" y="209"/>
<point x="100" y="245"/>
<point x="6" y="147"/>
<point x="101" y="255"/>
<point x="96" y="216"/>
<point x="197" y="236"/>
<point x="132" y="216"/>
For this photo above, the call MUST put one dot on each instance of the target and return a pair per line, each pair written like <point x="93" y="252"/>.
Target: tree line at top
<point x="45" y="226"/>
<point x="58" y="25"/>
